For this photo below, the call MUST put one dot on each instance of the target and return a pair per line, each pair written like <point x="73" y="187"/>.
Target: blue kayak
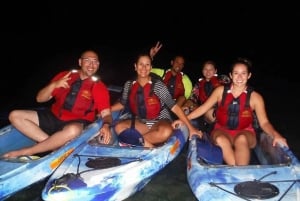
<point x="273" y="174"/>
<point x="21" y="172"/>
<point x="96" y="171"/>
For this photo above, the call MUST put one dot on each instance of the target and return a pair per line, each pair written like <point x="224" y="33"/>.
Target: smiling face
<point x="177" y="64"/>
<point x="143" y="66"/>
<point x="208" y="71"/>
<point x="89" y="63"/>
<point x="240" y="74"/>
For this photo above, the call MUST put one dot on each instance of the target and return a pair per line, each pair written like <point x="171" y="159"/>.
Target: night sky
<point x="40" y="39"/>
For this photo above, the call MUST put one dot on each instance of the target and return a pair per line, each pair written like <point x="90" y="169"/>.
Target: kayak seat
<point x="208" y="152"/>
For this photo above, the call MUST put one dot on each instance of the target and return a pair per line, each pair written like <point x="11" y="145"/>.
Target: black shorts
<point x="50" y="124"/>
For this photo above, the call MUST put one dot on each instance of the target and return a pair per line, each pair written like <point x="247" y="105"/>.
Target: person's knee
<point x="166" y="131"/>
<point x="73" y="130"/>
<point x="246" y="139"/>
<point x="121" y="126"/>
<point x="13" y="116"/>
<point x="221" y="139"/>
<point x="241" y="140"/>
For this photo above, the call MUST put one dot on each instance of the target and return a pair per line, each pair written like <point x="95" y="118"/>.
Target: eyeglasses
<point x="90" y="61"/>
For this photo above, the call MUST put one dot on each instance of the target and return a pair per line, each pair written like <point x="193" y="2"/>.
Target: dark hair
<point x="242" y="60"/>
<point x="143" y="54"/>
<point x="209" y="62"/>
<point x="178" y="55"/>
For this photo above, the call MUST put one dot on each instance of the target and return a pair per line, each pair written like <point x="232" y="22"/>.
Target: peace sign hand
<point x="155" y="49"/>
<point x="63" y="82"/>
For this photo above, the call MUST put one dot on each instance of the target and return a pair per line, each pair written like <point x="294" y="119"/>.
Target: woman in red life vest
<point x="202" y="90"/>
<point x="233" y="130"/>
<point x="148" y="100"/>
<point x="78" y="97"/>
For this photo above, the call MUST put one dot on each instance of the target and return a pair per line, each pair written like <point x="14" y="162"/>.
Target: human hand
<point x="155" y="49"/>
<point x="185" y="109"/>
<point x="177" y="123"/>
<point x="195" y="132"/>
<point x="280" y="140"/>
<point x="63" y="82"/>
<point x="104" y="134"/>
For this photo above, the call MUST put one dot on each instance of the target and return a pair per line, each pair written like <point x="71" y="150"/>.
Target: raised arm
<point x="155" y="49"/>
<point x="45" y="93"/>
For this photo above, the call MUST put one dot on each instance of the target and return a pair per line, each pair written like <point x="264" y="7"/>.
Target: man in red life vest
<point x="178" y="83"/>
<point x="79" y="98"/>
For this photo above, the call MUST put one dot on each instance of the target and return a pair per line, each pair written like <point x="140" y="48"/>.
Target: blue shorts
<point x="50" y="124"/>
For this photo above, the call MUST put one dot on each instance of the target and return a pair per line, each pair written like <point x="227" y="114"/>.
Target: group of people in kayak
<point x="166" y="97"/>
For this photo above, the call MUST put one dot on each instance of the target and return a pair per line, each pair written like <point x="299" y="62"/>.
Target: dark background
<point x="40" y="39"/>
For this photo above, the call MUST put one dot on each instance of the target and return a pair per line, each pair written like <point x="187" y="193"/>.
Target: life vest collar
<point x="182" y="73"/>
<point x="229" y="90"/>
<point x="93" y="78"/>
<point x="202" y="78"/>
<point x="134" y="81"/>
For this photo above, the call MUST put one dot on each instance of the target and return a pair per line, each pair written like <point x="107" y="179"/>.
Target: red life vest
<point x="75" y="102"/>
<point x="174" y="83"/>
<point x="203" y="94"/>
<point x="235" y="113"/>
<point x="143" y="102"/>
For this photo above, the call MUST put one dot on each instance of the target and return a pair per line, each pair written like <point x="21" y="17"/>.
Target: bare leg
<point x="226" y="146"/>
<point x="159" y="133"/>
<point x="242" y="150"/>
<point x="122" y="125"/>
<point x="26" y="121"/>
<point x="53" y="142"/>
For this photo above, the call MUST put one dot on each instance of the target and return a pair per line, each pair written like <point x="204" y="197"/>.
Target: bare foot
<point x="16" y="153"/>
